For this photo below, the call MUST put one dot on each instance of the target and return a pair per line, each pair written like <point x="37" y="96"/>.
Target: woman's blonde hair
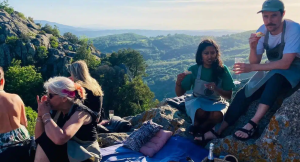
<point x="65" y="87"/>
<point x="80" y="72"/>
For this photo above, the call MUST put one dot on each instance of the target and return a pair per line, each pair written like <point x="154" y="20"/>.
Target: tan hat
<point x="272" y="5"/>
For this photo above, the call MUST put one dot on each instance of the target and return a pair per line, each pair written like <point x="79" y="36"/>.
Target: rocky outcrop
<point x="20" y="38"/>
<point x="277" y="139"/>
<point x="170" y="118"/>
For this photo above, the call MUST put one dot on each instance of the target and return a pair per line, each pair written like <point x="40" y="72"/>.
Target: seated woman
<point x="65" y="129"/>
<point x="80" y="74"/>
<point x="211" y="83"/>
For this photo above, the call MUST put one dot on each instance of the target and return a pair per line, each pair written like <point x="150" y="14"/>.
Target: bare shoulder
<point x="82" y="115"/>
<point x="14" y="99"/>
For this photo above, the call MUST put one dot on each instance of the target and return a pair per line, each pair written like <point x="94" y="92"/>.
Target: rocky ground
<point x="277" y="140"/>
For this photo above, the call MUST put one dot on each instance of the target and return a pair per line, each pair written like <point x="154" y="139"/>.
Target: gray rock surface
<point x="277" y="140"/>
<point x="28" y="37"/>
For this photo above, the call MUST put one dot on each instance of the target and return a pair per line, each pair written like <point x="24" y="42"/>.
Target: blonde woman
<point x="65" y="129"/>
<point x="80" y="74"/>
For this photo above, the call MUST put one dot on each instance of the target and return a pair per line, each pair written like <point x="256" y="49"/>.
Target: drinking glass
<point x="111" y="113"/>
<point x="237" y="79"/>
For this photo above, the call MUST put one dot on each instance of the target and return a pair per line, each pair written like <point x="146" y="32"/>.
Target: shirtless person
<point x="13" y="120"/>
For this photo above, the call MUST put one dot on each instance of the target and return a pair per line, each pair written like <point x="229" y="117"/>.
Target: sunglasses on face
<point x="50" y="95"/>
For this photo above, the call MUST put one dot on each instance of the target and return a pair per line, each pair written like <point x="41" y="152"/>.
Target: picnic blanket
<point x="176" y="149"/>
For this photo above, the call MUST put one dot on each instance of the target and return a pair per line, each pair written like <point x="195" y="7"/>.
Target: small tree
<point x="135" y="97"/>
<point x="71" y="37"/>
<point x="84" y="53"/>
<point x="55" y="31"/>
<point x="5" y="6"/>
<point x="24" y="81"/>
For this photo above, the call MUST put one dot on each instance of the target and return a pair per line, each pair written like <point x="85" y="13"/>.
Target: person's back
<point x="12" y="112"/>
<point x="13" y="120"/>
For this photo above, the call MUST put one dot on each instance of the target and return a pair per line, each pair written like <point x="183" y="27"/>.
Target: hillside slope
<point x="170" y="55"/>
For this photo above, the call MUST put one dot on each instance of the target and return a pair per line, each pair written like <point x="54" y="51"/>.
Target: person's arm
<point x="256" y="48"/>
<point x="283" y="63"/>
<point x="179" y="90"/>
<point x="60" y="136"/>
<point x="223" y="93"/>
<point x="254" y="58"/>
<point x="39" y="128"/>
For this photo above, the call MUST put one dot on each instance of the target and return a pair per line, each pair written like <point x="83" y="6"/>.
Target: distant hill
<point x="93" y="33"/>
<point x="167" y="56"/>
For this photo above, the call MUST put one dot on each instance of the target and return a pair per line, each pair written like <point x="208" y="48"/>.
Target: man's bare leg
<point x="260" y="112"/>
<point x="40" y="155"/>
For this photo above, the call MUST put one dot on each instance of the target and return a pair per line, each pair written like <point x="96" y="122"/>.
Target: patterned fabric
<point x="12" y="137"/>
<point x="141" y="136"/>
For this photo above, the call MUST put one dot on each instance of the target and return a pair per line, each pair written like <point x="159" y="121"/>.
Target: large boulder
<point x="278" y="138"/>
<point x="109" y="139"/>
<point x="5" y="55"/>
<point x="170" y="118"/>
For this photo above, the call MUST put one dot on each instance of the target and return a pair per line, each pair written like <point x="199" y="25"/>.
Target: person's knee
<point x="200" y="114"/>
<point x="277" y="80"/>
<point x="216" y="117"/>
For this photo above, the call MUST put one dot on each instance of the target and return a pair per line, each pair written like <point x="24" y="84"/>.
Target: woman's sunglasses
<point x="50" y="95"/>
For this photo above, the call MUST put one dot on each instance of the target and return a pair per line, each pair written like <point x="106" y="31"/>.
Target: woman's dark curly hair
<point x="217" y="65"/>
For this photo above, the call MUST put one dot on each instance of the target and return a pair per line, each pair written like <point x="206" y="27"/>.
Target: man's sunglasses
<point x="50" y="95"/>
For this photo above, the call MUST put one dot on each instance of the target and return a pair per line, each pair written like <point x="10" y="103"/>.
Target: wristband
<point x="44" y="115"/>
<point x="47" y="121"/>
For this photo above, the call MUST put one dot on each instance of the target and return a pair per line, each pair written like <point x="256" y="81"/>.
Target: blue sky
<point x="152" y="14"/>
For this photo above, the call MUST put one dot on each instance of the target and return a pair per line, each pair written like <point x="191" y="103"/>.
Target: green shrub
<point x="70" y="48"/>
<point x="55" y="31"/>
<point x="5" y="6"/>
<point x="24" y="81"/>
<point x="42" y="53"/>
<point x="53" y="42"/>
<point x="25" y="37"/>
<point x="31" y="19"/>
<point x="11" y="40"/>
<point x="48" y="29"/>
<point x="71" y="37"/>
<point x="42" y="32"/>
<point x="39" y="24"/>
<point x="21" y="15"/>
<point x="31" y="115"/>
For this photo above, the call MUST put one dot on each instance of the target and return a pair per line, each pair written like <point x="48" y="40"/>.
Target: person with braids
<point x="65" y="129"/>
<point x="211" y="83"/>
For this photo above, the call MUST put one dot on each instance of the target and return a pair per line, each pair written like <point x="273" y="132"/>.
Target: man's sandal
<point x="250" y="132"/>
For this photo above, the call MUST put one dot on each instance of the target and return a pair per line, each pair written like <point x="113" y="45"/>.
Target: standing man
<point x="281" y="42"/>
